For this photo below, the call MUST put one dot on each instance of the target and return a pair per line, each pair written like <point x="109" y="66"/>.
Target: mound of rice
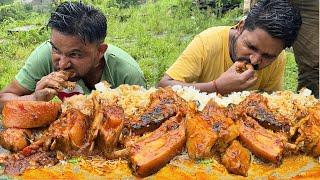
<point x="134" y="99"/>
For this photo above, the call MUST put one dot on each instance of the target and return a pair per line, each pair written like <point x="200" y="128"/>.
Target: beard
<point x="233" y="53"/>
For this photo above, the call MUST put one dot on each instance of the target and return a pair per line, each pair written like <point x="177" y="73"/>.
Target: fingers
<point x="54" y="80"/>
<point x="250" y="82"/>
<point x="45" y="94"/>
<point x="248" y="74"/>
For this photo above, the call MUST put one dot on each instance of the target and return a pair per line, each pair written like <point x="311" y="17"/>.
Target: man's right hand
<point x="231" y="80"/>
<point x="45" y="94"/>
<point x="53" y="80"/>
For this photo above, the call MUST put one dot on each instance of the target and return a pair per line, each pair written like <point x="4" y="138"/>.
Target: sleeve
<point x="36" y="66"/>
<point x="189" y="65"/>
<point x="276" y="79"/>
<point x="135" y="77"/>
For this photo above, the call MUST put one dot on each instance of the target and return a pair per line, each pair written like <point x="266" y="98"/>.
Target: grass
<point x="154" y="33"/>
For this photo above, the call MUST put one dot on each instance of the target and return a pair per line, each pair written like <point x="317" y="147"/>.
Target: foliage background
<point x="153" y="32"/>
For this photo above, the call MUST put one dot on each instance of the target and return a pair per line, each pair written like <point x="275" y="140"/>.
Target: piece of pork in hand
<point x="65" y="84"/>
<point x="153" y="151"/>
<point x="237" y="159"/>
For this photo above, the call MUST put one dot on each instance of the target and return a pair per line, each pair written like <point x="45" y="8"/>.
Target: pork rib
<point x="155" y="150"/>
<point x="164" y="103"/>
<point x="256" y="106"/>
<point x="261" y="142"/>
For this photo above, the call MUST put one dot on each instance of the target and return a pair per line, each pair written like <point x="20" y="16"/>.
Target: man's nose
<point x="255" y="59"/>
<point x="64" y="62"/>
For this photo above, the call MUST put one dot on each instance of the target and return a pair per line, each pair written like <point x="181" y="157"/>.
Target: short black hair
<point x="76" y="18"/>
<point x="277" y="17"/>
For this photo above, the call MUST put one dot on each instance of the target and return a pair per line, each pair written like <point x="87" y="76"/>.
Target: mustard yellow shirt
<point x="207" y="57"/>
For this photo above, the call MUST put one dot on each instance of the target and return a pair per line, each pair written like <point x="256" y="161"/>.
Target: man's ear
<point x="102" y="49"/>
<point x="240" y="27"/>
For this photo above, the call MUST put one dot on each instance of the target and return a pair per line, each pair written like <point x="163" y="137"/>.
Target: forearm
<point x="5" y="97"/>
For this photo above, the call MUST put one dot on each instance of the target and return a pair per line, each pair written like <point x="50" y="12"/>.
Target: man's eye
<point x="252" y="47"/>
<point x="55" y="50"/>
<point x="75" y="55"/>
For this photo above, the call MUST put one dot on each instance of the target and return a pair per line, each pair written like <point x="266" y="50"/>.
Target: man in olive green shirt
<point x="76" y="46"/>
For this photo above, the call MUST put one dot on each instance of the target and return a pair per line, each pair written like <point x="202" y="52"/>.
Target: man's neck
<point x="231" y="43"/>
<point x="94" y="76"/>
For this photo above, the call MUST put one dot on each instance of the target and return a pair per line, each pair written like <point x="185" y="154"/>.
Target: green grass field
<point x="154" y="33"/>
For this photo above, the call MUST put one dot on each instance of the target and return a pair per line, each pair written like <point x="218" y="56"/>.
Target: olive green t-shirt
<point x="120" y="68"/>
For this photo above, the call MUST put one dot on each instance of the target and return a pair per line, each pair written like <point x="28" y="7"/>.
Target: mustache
<point x="247" y="60"/>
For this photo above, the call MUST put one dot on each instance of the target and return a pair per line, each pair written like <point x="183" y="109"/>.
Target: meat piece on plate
<point x="200" y="136"/>
<point x="69" y="132"/>
<point x="261" y="142"/>
<point x="237" y="159"/>
<point x="209" y="131"/>
<point x="153" y="151"/>
<point x="15" y="139"/>
<point x="164" y="103"/>
<point x="29" y="114"/>
<point x="110" y="129"/>
<point x="221" y="124"/>
<point x="256" y="106"/>
<point x="309" y="132"/>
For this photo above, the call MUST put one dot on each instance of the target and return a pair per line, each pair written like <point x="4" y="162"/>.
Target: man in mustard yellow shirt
<point x="210" y="61"/>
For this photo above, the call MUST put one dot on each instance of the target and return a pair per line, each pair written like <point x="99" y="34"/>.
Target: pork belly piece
<point x="237" y="159"/>
<point x="155" y="150"/>
<point x="15" y="139"/>
<point x="29" y="114"/>
<point x="256" y="106"/>
<point x="309" y="132"/>
<point x="111" y="127"/>
<point x="200" y="136"/>
<point x="221" y="124"/>
<point x="164" y="103"/>
<point x="261" y="142"/>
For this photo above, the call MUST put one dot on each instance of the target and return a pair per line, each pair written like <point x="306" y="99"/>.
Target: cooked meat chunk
<point x="155" y="150"/>
<point x="111" y="127"/>
<point x="209" y="131"/>
<point x="15" y="139"/>
<point x="164" y="103"/>
<point x="200" y="137"/>
<point x="18" y="163"/>
<point x="309" y="132"/>
<point x="66" y="84"/>
<point x="243" y="66"/>
<point x="261" y="142"/>
<point x="256" y="106"/>
<point x="224" y="126"/>
<point x="29" y="114"/>
<point x="237" y="159"/>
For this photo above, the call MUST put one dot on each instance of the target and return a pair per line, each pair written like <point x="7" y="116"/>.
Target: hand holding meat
<point x="231" y="80"/>
<point x="56" y="80"/>
<point x="51" y="84"/>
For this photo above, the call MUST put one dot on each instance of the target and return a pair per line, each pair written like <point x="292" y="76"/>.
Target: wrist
<point x="214" y="86"/>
